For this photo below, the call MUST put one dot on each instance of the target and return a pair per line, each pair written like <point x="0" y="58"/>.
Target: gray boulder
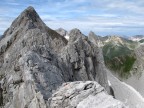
<point x="80" y="94"/>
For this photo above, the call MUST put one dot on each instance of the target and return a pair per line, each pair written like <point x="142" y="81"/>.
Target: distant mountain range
<point x="136" y="37"/>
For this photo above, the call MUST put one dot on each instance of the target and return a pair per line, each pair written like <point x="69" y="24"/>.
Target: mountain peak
<point x="30" y="14"/>
<point x="91" y="33"/>
<point x="75" y="34"/>
<point x="30" y="8"/>
<point x="28" y="19"/>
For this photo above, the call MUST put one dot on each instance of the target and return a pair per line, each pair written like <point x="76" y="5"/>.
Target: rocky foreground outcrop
<point x="35" y="60"/>
<point x="80" y="94"/>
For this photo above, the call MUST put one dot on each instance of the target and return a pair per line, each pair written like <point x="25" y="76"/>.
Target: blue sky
<point x="104" y="17"/>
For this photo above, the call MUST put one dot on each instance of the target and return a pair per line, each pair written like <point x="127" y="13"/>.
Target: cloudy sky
<point x="104" y="17"/>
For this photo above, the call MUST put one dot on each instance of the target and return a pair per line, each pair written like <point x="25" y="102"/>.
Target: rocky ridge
<point x="35" y="61"/>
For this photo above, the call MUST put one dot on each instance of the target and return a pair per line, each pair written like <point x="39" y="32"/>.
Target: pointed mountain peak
<point x="75" y="34"/>
<point x="28" y="19"/>
<point x="30" y="8"/>
<point x="75" y="31"/>
<point x="31" y="14"/>
<point x="97" y="40"/>
<point x="91" y="33"/>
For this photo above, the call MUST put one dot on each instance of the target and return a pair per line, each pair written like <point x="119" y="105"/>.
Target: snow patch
<point x="67" y="37"/>
<point x="135" y="91"/>
<point x="109" y="83"/>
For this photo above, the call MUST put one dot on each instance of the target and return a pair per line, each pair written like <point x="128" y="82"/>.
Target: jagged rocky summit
<point x="35" y="61"/>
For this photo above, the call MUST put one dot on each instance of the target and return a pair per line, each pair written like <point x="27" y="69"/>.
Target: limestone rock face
<point x="80" y="94"/>
<point x="84" y="59"/>
<point x="29" y="70"/>
<point x="35" y="61"/>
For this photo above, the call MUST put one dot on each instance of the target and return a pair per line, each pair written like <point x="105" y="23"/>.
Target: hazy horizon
<point x="107" y="17"/>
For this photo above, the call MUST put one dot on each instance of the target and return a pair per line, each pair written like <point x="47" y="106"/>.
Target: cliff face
<point x="84" y="59"/>
<point x="35" y="61"/>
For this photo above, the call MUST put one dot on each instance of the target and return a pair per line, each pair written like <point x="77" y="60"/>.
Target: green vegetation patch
<point x="119" y="59"/>
<point x="141" y="41"/>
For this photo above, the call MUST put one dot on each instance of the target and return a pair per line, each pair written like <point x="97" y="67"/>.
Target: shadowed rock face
<point x="35" y="60"/>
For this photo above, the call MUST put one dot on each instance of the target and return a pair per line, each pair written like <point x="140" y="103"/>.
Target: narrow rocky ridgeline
<point x="35" y="61"/>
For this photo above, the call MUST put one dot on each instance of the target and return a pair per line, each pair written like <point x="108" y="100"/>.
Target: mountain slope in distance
<point x="118" y="52"/>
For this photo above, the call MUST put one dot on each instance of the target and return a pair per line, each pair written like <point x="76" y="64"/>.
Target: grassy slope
<point x="119" y="58"/>
<point x="141" y="41"/>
